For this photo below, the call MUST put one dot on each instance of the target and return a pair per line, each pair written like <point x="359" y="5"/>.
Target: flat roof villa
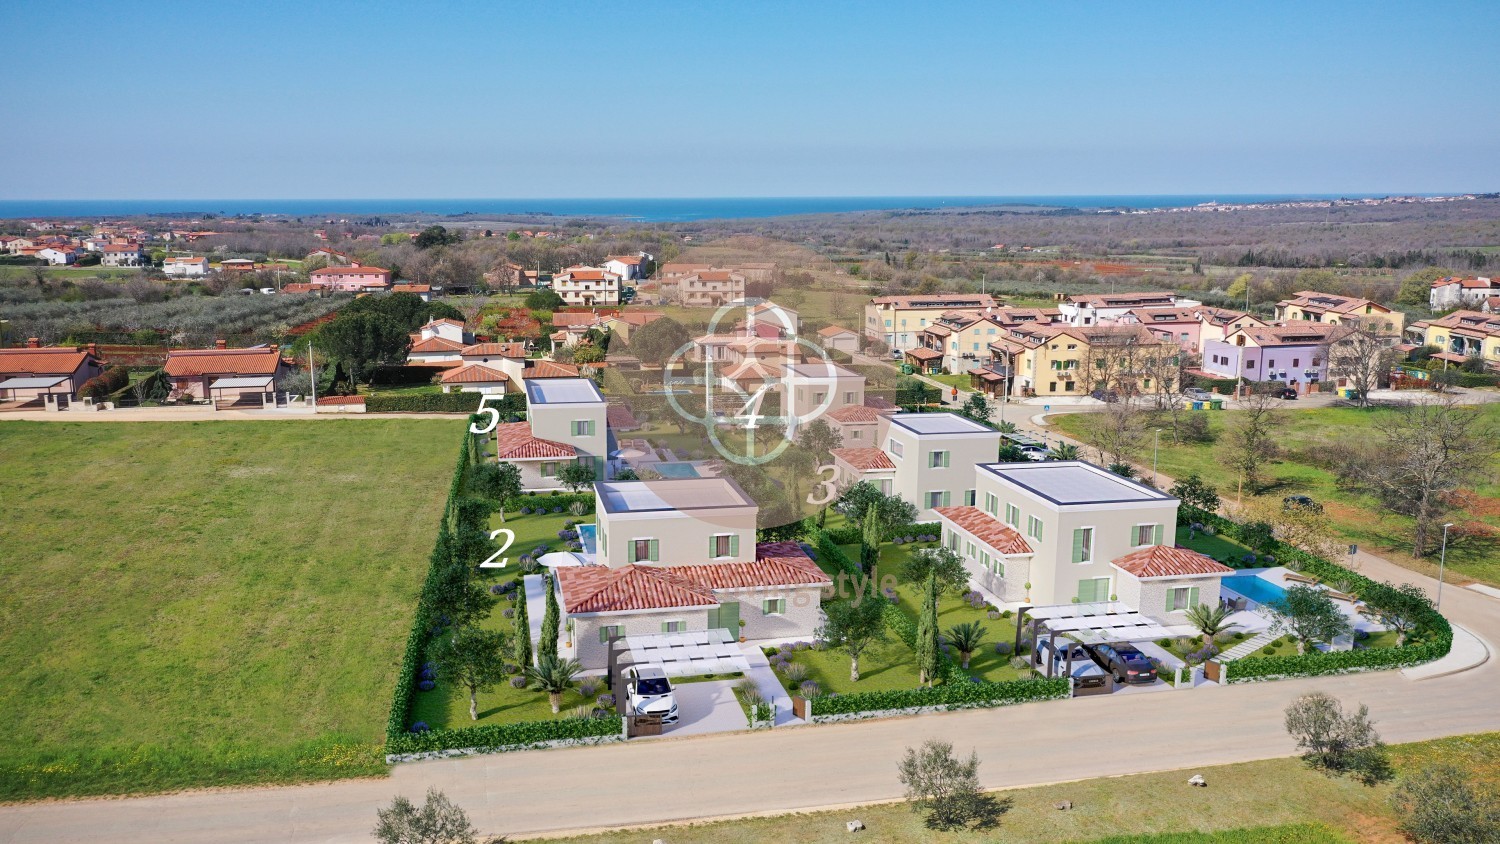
<point x="1067" y="483"/>
<point x="928" y="424"/>
<point x="674" y="494"/>
<point x="548" y="391"/>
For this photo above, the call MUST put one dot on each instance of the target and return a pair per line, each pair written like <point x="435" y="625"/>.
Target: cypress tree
<point x="522" y="646"/>
<point x="927" y="633"/>
<point x="869" y="541"/>
<point x="551" y="623"/>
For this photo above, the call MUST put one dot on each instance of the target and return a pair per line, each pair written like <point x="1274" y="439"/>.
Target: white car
<point x="1035" y="452"/>
<point x="649" y="692"/>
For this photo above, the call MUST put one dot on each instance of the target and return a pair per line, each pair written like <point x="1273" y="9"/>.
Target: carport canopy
<point x="688" y="654"/>
<point x="246" y="383"/>
<point x="1099" y="622"/>
<point x="32" y="383"/>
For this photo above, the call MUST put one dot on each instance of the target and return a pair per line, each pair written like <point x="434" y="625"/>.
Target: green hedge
<point x="1434" y="635"/>
<point x="423" y="403"/>
<point x="853" y="535"/>
<point x="957" y="695"/>
<point x="563" y="500"/>
<point x="496" y="736"/>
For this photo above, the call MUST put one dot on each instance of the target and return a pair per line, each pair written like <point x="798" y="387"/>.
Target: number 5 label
<point x="484" y="410"/>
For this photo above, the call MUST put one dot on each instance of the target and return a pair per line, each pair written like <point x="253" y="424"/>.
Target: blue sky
<point x="565" y="99"/>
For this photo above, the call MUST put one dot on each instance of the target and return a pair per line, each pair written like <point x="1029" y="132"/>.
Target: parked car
<point x="1124" y="661"/>
<point x="1034" y="452"/>
<point x="649" y="692"/>
<point x="1085" y="671"/>
<point x="1302" y="501"/>
<point x="1197" y="394"/>
<point x="1287" y="393"/>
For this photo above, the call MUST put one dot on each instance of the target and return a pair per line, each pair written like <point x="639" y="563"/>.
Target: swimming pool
<point x="1256" y="588"/>
<point x="676" y="470"/>
<point x="589" y="536"/>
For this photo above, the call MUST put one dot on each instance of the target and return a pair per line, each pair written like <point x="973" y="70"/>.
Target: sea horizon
<point x="642" y="209"/>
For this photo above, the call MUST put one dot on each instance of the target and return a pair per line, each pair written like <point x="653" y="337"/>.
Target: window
<point x="952" y="541"/>
<point x="938" y="499"/>
<point x="984" y="559"/>
<point x="583" y="428"/>
<point x="969" y="549"/>
<point x="885" y="486"/>
<point x="1148" y="535"/>
<point x="938" y="460"/>
<point x="724" y="545"/>
<point x="894" y="448"/>
<point x="610" y="630"/>
<point x="1068" y="386"/>
<point x="991" y="504"/>
<point x="1012" y="515"/>
<point x="1249" y="364"/>
<point x="849" y="398"/>
<point x="969" y="498"/>
<point x="674" y="626"/>
<point x="1296" y="362"/>
<point x="549" y="470"/>
<point x="1083" y="545"/>
<point x="773" y="606"/>
<point x="1181" y="598"/>
<point x="1271" y="363"/>
<point x="645" y="550"/>
<point x="1034" y="527"/>
<point x="1093" y="589"/>
<point x="854" y="435"/>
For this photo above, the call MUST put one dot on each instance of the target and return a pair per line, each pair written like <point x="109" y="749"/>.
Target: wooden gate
<point x="1212" y="670"/>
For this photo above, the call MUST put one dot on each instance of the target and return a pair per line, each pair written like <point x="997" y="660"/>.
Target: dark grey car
<point x="1124" y="661"/>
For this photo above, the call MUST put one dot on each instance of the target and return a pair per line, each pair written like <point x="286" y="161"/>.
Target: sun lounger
<point x="1339" y="596"/>
<point x="1300" y="578"/>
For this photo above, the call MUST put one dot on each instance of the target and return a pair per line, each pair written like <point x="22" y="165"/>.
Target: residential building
<point x="897" y="320"/>
<point x="812" y="390"/>
<point x="837" y="338"/>
<point x="122" y="255"/>
<point x="628" y="267"/>
<point x="934" y="455"/>
<point x="1086" y="309"/>
<point x="674" y="522"/>
<point x="710" y="288"/>
<point x="1312" y="306"/>
<point x="185" y="266"/>
<point x="1180" y="326"/>
<point x="355" y="279"/>
<point x="587" y="286"/>
<point x="334" y="257"/>
<point x="961" y="339"/>
<point x="1216" y="323"/>
<point x="421" y="291"/>
<point x="864" y="464"/>
<point x="571" y="411"/>
<point x="440" y="341"/>
<point x="1064" y="360"/>
<point x="36" y="371"/>
<point x="475" y="378"/>
<point x="1295" y="353"/>
<point x="539" y="460"/>
<point x="55" y="255"/>
<point x="225" y="375"/>
<point x="1461" y="292"/>
<point x="857" y="424"/>
<point x="673" y="271"/>
<point x="1460" y="336"/>
<point x="769" y="319"/>
<point x="1060" y="532"/>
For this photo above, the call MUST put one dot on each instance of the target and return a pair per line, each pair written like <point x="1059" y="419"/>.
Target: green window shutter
<point x="1039" y="530"/>
<point x="1158" y="533"/>
<point x="1000" y="568"/>
<point x="590" y="424"/>
<point x="1171" y="600"/>
<point x="713" y="618"/>
<point x="665" y="625"/>
<point x="713" y="547"/>
<point x="734" y="545"/>
<point x="630" y="551"/>
<point x="655" y="551"/>
<point x="1135" y="535"/>
<point x="947" y="496"/>
<point x="947" y="458"/>
<point x="1078" y="545"/>
<point x="1192" y="600"/>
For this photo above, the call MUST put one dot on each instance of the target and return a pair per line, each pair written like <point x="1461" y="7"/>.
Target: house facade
<point x="1295" y="353"/>
<point x="185" y="266"/>
<point x="812" y="390"/>
<point x="898" y="320"/>
<point x="1312" y="306"/>
<point x="587" y="286"/>
<point x="353" y="279"/>
<point x="35" y="370"/>
<point x="1461" y="292"/>
<point x="628" y="267"/>
<point x="1460" y="336"/>
<point x="571" y="411"/>
<point x="1101" y="308"/>
<point x="710" y="288"/>
<point x="224" y="374"/>
<point x="934" y="455"/>
<point x="122" y="255"/>
<point x="439" y="342"/>
<point x="837" y="338"/>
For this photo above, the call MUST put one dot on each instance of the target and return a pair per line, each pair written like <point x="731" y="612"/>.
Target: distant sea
<point x="644" y="210"/>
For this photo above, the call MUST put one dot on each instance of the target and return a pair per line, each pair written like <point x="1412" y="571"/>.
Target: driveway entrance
<point x="706" y="707"/>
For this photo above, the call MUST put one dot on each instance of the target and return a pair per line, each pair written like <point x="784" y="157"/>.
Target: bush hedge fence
<point x="511" y="403"/>
<point x="852" y="535"/>
<point x="550" y="501"/>
<point x="948" y="696"/>
<point x="1431" y="639"/>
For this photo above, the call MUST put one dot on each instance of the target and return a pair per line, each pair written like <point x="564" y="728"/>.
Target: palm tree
<point x="966" y="638"/>
<point x="1065" y="451"/>
<point x="554" y="676"/>
<point x="1210" y="621"/>
<point x="1006" y="427"/>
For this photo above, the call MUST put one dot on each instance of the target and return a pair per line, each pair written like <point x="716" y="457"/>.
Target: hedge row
<point x="109" y="381"/>
<point x="853" y="534"/>
<point x="439" y="403"/>
<point x="493" y="737"/>
<point x="948" y="695"/>
<point x="551" y="502"/>
<point x="1434" y="634"/>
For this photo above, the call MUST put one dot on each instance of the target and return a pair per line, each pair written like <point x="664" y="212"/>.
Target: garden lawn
<point x="208" y="603"/>
<point x="1357" y="519"/>
<point x="1220" y="547"/>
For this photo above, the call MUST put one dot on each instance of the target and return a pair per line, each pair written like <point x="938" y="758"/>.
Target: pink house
<point x="352" y="279"/>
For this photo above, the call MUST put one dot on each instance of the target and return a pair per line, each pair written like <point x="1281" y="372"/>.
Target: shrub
<point x="605" y="701"/>
<point x="420" y="727"/>
<point x="810" y="689"/>
<point x="423" y="403"/>
<point x="509" y="612"/>
<point x="518" y="682"/>
<point x="1442" y="804"/>
<point x="1002" y="648"/>
<point x="495" y="736"/>
<point x="1336" y="741"/>
<point x="588" y="687"/>
<point x="795" y="673"/>
<point x="947" y="788"/>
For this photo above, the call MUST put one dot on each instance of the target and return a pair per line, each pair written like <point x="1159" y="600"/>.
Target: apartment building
<point x="897" y="321"/>
<point x="1063" y="532"/>
<point x="353" y="279"/>
<point x="1216" y="323"/>
<point x="1086" y="309"/>
<point x="933" y="455"/>
<point x="1312" y="306"/>
<point x="571" y="411"/>
<point x="710" y="288"/>
<point x="1062" y="360"/>
<point x="628" y="267"/>
<point x="1295" y="353"/>
<point x="1460" y="336"/>
<point x="587" y="286"/>
<point x="122" y="255"/>
<point x="440" y="341"/>
<point x="1461" y="292"/>
<point x="960" y="338"/>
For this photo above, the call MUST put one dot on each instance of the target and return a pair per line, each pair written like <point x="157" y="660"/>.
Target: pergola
<point x="685" y="654"/>
<point x="242" y="385"/>
<point x="44" y="384"/>
<point x="1090" y="623"/>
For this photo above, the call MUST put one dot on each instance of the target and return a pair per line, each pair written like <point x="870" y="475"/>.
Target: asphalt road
<point x="803" y="767"/>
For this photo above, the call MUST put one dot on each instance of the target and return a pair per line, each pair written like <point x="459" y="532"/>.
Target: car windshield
<point x="649" y="686"/>
<point x="1133" y="656"/>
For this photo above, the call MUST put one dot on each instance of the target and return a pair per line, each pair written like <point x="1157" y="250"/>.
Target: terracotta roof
<point x="714" y="275"/>
<point x="437" y="344"/>
<point x="1311" y="300"/>
<point x="474" y="373"/>
<point x="499" y="350"/>
<point x="353" y="271"/>
<point x="1294" y="332"/>
<point x="625" y="259"/>
<point x="864" y="459"/>
<point x="587" y="589"/>
<point x="411" y="288"/>
<point x="855" y="413"/>
<point x="834" y="331"/>
<point x="550" y="369"/>
<point x="444" y="321"/>
<point x="753" y="369"/>
<point x="938" y="300"/>
<point x="48" y="361"/>
<point x="1123" y="300"/>
<point x="565" y="320"/>
<point x="618" y="415"/>
<point x="122" y="247"/>
<point x="189" y="362"/>
<point x="586" y="274"/>
<point x="299" y="287"/>
<point x="986" y="528"/>
<point x="1167" y="561"/>
<point x="335" y="400"/>
<point x="924" y="354"/>
<point x="516" y="442"/>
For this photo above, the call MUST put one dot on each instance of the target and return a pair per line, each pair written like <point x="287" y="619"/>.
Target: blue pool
<point x="589" y="536"/>
<point x="676" y="470"/>
<point x="1254" y="587"/>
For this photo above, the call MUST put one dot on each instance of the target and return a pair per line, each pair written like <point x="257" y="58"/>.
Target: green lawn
<point x="208" y="603"/>
<point x="1356" y="518"/>
<point x="960" y="380"/>
<point x="1220" y="547"/>
<point x="1277" y="801"/>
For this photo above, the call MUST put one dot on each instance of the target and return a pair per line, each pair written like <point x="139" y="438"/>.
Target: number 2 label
<point x="510" y="537"/>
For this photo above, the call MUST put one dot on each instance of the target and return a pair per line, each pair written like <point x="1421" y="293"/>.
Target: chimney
<point x="220" y="344"/>
<point x="93" y="349"/>
<point x="275" y="347"/>
<point x="33" y="343"/>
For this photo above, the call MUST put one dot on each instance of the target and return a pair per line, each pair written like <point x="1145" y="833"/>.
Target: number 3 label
<point x="829" y="490"/>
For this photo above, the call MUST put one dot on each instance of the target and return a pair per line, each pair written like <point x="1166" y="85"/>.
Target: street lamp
<point x="1442" y="563"/>
<point x="1155" y="450"/>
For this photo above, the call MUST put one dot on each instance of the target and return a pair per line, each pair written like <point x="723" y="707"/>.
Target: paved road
<point x="803" y="767"/>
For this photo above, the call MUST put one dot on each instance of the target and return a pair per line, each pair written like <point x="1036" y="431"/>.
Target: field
<point x="1356" y="518"/>
<point x="214" y="603"/>
<point x="1280" y="801"/>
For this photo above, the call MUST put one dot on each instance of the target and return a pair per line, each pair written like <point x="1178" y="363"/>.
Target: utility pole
<point x="312" y="375"/>
<point x="1442" y="564"/>
<point x="1155" y="450"/>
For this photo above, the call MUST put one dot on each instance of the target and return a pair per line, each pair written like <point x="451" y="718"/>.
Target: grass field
<point x="1357" y="518"/>
<point x="1280" y="801"/>
<point x="208" y="603"/>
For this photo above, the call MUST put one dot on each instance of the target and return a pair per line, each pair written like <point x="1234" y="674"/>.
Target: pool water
<point x="676" y="470"/>
<point x="1254" y="587"/>
<point x="589" y="536"/>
